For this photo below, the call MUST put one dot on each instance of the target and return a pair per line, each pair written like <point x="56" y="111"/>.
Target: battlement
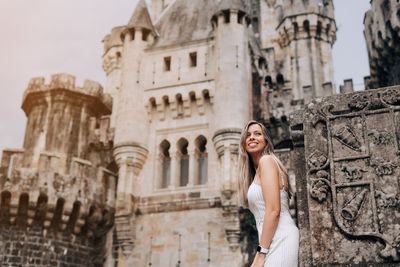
<point x="82" y="200"/>
<point x="280" y="103"/>
<point x="64" y="81"/>
<point x="232" y="15"/>
<point x="304" y="26"/>
<point x="113" y="39"/>
<point x="322" y="7"/>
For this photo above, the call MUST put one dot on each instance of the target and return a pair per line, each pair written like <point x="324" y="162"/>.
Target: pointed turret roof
<point x="141" y="17"/>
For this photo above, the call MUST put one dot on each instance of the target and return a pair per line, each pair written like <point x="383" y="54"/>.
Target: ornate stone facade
<point x="349" y="189"/>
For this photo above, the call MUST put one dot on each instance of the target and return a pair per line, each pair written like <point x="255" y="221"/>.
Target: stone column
<point x="193" y="172"/>
<point x="226" y="142"/>
<point x="174" y="170"/>
<point x="130" y="158"/>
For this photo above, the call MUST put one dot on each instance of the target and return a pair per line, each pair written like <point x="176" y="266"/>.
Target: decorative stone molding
<point x="130" y="158"/>
<point x="60" y="202"/>
<point x="319" y="26"/>
<point x="175" y="202"/>
<point x="231" y="218"/>
<point x="131" y="153"/>
<point x="112" y="61"/>
<point x="226" y="143"/>
<point x="352" y="161"/>
<point x="226" y="138"/>
<point x="180" y="105"/>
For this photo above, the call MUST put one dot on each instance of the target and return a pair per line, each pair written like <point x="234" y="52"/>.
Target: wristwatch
<point x="262" y="250"/>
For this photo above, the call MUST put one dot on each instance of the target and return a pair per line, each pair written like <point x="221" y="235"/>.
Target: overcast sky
<point x="42" y="37"/>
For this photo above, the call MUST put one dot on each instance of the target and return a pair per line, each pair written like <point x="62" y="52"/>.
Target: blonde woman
<point x="264" y="189"/>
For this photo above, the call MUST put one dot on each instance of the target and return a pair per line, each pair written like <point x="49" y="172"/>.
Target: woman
<point x="263" y="188"/>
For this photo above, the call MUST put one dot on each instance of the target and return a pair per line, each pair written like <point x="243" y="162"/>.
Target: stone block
<point x="62" y="81"/>
<point x="349" y="187"/>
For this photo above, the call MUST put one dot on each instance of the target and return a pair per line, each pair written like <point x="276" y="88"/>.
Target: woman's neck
<point x="256" y="159"/>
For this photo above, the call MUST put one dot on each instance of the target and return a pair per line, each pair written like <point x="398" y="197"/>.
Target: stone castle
<point x="144" y="174"/>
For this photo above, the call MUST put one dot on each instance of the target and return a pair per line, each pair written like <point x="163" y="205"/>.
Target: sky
<point x="43" y="37"/>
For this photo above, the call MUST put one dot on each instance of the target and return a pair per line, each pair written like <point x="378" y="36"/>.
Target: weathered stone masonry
<point x="347" y="179"/>
<point x="56" y="194"/>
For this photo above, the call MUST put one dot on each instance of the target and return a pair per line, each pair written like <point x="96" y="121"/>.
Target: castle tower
<point x="381" y="32"/>
<point x="57" y="195"/>
<point x="298" y="37"/>
<point x="232" y="94"/>
<point x="112" y="65"/>
<point x="232" y="83"/>
<point x="131" y="128"/>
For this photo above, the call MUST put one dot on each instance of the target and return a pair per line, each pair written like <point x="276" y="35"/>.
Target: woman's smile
<point x="255" y="141"/>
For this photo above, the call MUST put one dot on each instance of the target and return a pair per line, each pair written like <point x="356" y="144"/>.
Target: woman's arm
<point x="269" y="180"/>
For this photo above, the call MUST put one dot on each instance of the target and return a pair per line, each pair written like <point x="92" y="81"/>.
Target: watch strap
<point x="262" y="250"/>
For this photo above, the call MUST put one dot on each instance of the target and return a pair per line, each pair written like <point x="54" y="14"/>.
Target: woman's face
<point x="255" y="141"/>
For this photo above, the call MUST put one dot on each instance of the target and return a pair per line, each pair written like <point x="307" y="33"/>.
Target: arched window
<point x="202" y="159"/>
<point x="184" y="162"/>
<point x="165" y="164"/>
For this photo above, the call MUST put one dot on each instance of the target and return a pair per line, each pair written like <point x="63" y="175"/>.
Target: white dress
<point x="283" y="251"/>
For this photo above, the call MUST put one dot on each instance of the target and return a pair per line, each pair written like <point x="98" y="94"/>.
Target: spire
<point x="141" y="17"/>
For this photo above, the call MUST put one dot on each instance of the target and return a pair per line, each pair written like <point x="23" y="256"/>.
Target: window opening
<point x="193" y="59"/>
<point x="167" y="63"/>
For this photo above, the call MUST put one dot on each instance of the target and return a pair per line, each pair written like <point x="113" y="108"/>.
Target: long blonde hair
<point x="247" y="170"/>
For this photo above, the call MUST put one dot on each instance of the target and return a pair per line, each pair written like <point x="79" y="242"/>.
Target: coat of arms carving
<point x="352" y="156"/>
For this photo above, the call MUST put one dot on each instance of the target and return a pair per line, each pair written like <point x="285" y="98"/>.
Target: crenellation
<point x="347" y="87"/>
<point x="382" y="32"/>
<point x="307" y="25"/>
<point x="36" y="84"/>
<point x="113" y="39"/>
<point x="64" y="81"/>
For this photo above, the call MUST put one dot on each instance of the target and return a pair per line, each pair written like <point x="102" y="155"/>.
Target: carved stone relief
<point x="352" y="176"/>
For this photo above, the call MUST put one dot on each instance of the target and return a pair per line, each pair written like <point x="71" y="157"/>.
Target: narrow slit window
<point x="193" y="59"/>
<point x="167" y="63"/>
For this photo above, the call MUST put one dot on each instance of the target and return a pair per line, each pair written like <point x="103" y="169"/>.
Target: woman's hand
<point x="259" y="260"/>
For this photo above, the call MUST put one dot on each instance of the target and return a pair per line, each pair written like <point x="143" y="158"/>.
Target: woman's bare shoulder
<point x="267" y="159"/>
<point x="268" y="162"/>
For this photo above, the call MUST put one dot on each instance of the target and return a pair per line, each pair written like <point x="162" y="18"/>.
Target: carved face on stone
<point x="255" y="140"/>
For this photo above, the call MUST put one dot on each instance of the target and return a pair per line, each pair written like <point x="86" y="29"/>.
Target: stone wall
<point x="35" y="247"/>
<point x="57" y="194"/>
<point x="347" y="181"/>
<point x="188" y="237"/>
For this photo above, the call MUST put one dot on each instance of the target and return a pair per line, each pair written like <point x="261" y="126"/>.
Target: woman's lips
<point x="252" y="144"/>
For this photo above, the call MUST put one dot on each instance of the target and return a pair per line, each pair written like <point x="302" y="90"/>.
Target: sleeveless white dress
<point x="283" y="251"/>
